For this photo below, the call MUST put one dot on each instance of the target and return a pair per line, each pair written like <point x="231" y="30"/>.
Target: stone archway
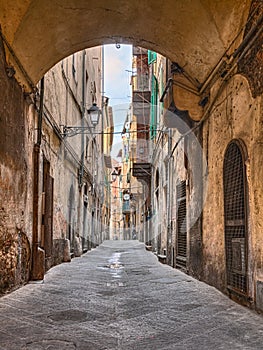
<point x="195" y="34"/>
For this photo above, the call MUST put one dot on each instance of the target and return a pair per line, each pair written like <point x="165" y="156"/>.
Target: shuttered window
<point x="181" y="251"/>
<point x="152" y="56"/>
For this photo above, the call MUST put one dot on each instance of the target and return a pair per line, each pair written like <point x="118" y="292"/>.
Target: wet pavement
<point x="118" y="296"/>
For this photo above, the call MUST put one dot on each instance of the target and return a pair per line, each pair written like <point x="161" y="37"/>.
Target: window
<point x="181" y="225"/>
<point x="235" y="218"/>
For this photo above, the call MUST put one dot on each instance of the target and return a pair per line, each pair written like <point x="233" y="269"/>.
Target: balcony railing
<point x="126" y="207"/>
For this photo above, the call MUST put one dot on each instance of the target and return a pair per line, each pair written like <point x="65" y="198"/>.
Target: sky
<point x="117" y="73"/>
<point x="117" y="77"/>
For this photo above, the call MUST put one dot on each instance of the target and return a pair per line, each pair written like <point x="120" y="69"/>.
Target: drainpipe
<point x="81" y="170"/>
<point x="103" y="105"/>
<point x="169" y="238"/>
<point x="38" y="257"/>
<point x="83" y="109"/>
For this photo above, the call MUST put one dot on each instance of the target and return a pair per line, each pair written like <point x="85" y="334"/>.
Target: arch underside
<point x="195" y="34"/>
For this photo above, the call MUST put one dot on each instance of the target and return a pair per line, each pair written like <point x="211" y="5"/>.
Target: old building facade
<point x="71" y="87"/>
<point x="61" y="178"/>
<point x="206" y="167"/>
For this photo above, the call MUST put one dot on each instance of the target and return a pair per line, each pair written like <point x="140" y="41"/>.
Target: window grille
<point x="235" y="219"/>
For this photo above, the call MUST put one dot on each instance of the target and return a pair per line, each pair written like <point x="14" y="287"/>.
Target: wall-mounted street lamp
<point x="114" y="175"/>
<point x="94" y="112"/>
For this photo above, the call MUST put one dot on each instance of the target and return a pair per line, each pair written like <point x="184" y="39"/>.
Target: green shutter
<point x="152" y="56"/>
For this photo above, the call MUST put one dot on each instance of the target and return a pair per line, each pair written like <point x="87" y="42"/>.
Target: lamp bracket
<point x="69" y="131"/>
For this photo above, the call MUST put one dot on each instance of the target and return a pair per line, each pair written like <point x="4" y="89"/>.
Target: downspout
<point x="103" y="104"/>
<point x="40" y="113"/>
<point x="81" y="223"/>
<point x="83" y="109"/>
<point x="169" y="240"/>
<point x="102" y="145"/>
<point x="38" y="259"/>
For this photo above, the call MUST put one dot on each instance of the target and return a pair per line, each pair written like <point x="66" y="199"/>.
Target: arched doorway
<point x="235" y="210"/>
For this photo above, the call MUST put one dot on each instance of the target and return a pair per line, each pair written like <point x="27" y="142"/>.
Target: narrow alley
<point x="118" y="296"/>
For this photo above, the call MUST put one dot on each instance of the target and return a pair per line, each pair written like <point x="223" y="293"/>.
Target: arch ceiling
<point x="194" y="33"/>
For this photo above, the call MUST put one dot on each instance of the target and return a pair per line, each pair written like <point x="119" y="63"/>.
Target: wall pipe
<point x="37" y="266"/>
<point x="83" y="110"/>
<point x="40" y="112"/>
<point x="227" y="60"/>
<point x="168" y="204"/>
<point x="238" y="55"/>
<point x="18" y="62"/>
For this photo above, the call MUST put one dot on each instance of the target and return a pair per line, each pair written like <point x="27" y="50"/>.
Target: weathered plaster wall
<point x="236" y="115"/>
<point x="15" y="228"/>
<point x="63" y="107"/>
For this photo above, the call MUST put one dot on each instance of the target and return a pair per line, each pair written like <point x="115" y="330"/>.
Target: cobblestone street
<point x="118" y="296"/>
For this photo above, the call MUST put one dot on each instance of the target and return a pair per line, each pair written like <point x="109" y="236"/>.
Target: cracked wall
<point x="236" y="115"/>
<point x="14" y="182"/>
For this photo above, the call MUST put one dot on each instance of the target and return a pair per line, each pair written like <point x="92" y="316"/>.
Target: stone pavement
<point x="118" y="296"/>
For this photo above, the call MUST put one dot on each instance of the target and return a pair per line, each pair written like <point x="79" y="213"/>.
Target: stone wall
<point x="59" y="166"/>
<point x="236" y="115"/>
<point x="15" y="228"/>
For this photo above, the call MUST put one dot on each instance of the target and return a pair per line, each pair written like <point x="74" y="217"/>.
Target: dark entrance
<point x="235" y="219"/>
<point x="47" y="214"/>
<point x="71" y="216"/>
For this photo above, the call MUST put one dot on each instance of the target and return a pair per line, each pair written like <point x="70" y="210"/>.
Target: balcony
<point x="142" y="171"/>
<point x="126" y="207"/>
<point x="141" y="106"/>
